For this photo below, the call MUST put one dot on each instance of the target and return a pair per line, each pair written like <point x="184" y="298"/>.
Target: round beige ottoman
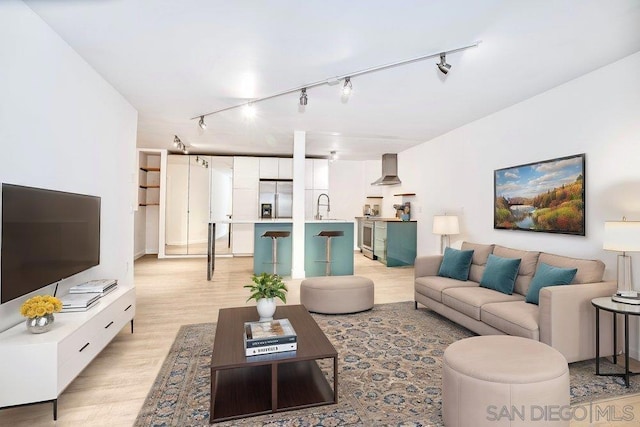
<point x="500" y="380"/>
<point x="337" y="294"/>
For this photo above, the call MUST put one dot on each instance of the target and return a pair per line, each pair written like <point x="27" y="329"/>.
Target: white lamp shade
<point x="446" y="225"/>
<point x="622" y="236"/>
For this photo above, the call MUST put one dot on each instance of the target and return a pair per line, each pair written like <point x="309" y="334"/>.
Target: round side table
<point x="607" y="304"/>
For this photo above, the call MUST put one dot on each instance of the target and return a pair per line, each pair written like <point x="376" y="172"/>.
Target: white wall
<point x="63" y="127"/>
<point x="346" y="193"/>
<point x="140" y="232"/>
<point x="596" y="114"/>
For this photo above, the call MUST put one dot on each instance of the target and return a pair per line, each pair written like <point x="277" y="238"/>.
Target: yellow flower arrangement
<point x="40" y="305"/>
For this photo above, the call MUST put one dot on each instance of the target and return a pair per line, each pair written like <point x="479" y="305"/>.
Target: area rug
<point x="390" y="364"/>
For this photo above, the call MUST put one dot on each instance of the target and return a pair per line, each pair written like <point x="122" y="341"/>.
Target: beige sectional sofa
<point x="563" y="319"/>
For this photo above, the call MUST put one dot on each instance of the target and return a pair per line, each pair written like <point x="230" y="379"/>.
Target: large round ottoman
<point x="500" y="380"/>
<point x="337" y="294"/>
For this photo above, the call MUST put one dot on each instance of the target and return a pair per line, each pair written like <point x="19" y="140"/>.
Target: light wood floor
<point x="171" y="293"/>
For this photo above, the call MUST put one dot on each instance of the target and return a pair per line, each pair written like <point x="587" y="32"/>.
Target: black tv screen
<point x="47" y="236"/>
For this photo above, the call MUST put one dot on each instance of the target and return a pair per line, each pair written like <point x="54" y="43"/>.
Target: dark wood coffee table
<point x="244" y="386"/>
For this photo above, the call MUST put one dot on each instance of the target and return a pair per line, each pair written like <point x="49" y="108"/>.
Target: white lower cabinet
<point x="37" y="368"/>
<point x="242" y="239"/>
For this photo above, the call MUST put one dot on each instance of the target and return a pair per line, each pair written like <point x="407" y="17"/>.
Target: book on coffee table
<point x="270" y="336"/>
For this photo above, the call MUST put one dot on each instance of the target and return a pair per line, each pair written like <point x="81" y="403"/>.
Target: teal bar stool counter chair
<point x="275" y="235"/>
<point x="329" y="234"/>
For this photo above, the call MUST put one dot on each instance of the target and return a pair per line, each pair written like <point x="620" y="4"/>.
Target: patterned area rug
<point x="390" y="364"/>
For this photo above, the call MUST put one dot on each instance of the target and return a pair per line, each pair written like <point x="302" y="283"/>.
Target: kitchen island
<point x="342" y="257"/>
<point x="315" y="248"/>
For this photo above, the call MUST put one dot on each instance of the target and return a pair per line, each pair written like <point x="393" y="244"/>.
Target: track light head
<point x="348" y="87"/>
<point x="332" y="156"/>
<point x="249" y="110"/>
<point x="442" y="65"/>
<point x="176" y="141"/>
<point x="202" y="124"/>
<point x="303" y="97"/>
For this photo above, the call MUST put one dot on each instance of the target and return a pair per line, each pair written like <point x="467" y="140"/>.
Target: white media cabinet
<point x="38" y="367"/>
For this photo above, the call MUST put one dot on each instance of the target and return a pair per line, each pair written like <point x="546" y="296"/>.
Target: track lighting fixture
<point x="332" y="156"/>
<point x="202" y="124"/>
<point x="249" y="111"/>
<point x="348" y="87"/>
<point x="202" y="162"/>
<point x="442" y="65"/>
<point x="303" y="97"/>
<point x="179" y="145"/>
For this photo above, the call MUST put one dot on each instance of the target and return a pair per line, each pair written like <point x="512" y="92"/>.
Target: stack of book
<point x="273" y="336"/>
<point x="99" y="286"/>
<point x="78" y="302"/>
<point x="626" y="297"/>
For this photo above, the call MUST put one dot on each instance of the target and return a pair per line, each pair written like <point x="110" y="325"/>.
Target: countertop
<point x="379" y="218"/>
<point x="276" y="221"/>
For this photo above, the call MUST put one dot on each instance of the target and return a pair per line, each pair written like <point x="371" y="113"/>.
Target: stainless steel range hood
<point x="389" y="171"/>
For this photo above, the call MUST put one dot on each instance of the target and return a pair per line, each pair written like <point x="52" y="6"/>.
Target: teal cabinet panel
<point x="341" y="249"/>
<point x="262" y="253"/>
<point x="401" y="243"/>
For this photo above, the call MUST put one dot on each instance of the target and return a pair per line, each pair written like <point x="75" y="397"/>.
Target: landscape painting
<point x="546" y="196"/>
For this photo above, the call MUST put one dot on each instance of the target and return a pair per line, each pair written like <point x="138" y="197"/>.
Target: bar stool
<point x="275" y="235"/>
<point x="329" y="234"/>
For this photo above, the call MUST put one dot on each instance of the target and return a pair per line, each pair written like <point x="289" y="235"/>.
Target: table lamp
<point x="623" y="236"/>
<point x="445" y="226"/>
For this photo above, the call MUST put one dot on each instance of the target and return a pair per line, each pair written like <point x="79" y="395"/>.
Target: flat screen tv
<point x="47" y="236"/>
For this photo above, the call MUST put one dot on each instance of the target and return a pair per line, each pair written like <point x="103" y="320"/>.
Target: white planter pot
<point x="266" y="308"/>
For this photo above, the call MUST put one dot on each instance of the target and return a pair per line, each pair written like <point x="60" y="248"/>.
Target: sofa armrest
<point x="427" y="265"/>
<point x="567" y="319"/>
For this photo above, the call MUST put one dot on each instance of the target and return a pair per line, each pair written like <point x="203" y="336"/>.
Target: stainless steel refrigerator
<point x="276" y="198"/>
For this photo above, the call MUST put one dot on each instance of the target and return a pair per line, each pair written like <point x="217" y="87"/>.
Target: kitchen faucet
<point x="328" y="205"/>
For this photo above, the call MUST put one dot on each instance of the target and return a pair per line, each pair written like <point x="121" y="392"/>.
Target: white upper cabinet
<point x="308" y="174"/>
<point x="285" y="168"/>
<point x="320" y="174"/>
<point x="316" y="174"/>
<point x="276" y="168"/>
<point x="246" y="172"/>
<point x="268" y="167"/>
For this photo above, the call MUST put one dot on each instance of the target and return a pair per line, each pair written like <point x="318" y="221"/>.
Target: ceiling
<point x="178" y="59"/>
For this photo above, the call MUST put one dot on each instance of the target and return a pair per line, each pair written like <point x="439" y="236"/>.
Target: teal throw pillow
<point x="455" y="264"/>
<point x="547" y="275"/>
<point x="500" y="274"/>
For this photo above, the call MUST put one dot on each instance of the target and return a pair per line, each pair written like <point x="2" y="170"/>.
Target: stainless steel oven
<point x="367" y="238"/>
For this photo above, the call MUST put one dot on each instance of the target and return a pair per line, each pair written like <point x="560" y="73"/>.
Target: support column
<point x="299" y="152"/>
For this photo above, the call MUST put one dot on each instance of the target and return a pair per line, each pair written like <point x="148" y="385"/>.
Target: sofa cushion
<point x="432" y="286"/>
<point x="547" y="275"/>
<point x="455" y="264"/>
<point x="513" y="318"/>
<point x="527" y="265"/>
<point x="479" y="259"/>
<point x="500" y="274"/>
<point x="589" y="271"/>
<point x="470" y="300"/>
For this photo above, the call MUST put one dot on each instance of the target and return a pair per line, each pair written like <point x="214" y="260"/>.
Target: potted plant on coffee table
<point x="265" y="289"/>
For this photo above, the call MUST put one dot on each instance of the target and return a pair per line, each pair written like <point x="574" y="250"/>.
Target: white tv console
<point x="38" y="367"/>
